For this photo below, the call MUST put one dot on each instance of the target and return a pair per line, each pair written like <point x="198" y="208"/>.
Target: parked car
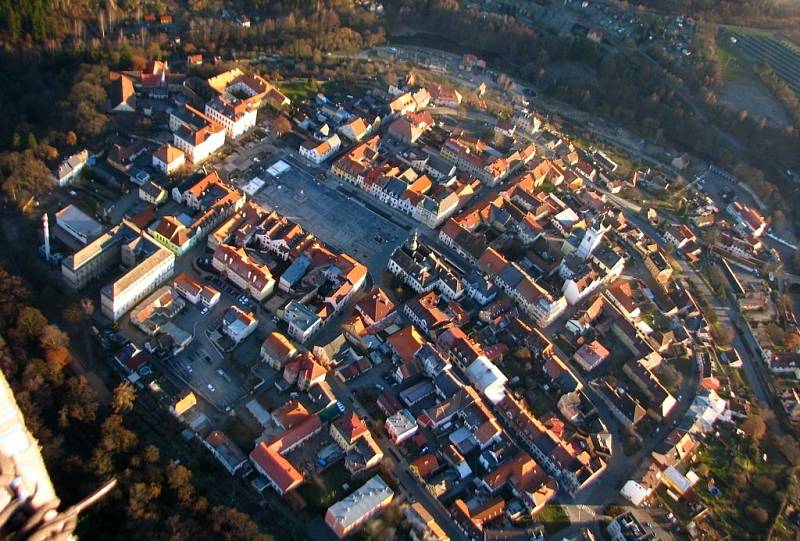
<point x="204" y="311"/>
<point x="211" y="388"/>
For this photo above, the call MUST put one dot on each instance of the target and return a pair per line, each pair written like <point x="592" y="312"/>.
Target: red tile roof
<point x="351" y="427"/>
<point x="406" y="342"/>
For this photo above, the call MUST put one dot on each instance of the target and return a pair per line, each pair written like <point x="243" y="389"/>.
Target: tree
<point x="776" y="334"/>
<point x="758" y="513"/>
<point x="523" y="354"/>
<point x="80" y="402"/>
<point x="57" y="358"/>
<point x="52" y="337"/>
<point x="723" y="333"/>
<point x="670" y="376"/>
<point x="23" y="176"/>
<point x="73" y="315"/>
<point x="764" y="485"/>
<point x="282" y="125"/>
<point x="71" y="139"/>
<point x="754" y="427"/>
<point x="30" y="325"/>
<point x="140" y="500"/>
<point x="123" y="399"/>
<point x="115" y="437"/>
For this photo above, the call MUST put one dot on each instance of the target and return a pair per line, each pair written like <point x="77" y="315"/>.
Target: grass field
<point x="299" y="90"/>
<point x="553" y="518"/>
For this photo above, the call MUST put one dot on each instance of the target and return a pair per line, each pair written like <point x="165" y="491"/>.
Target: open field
<point x="743" y="90"/>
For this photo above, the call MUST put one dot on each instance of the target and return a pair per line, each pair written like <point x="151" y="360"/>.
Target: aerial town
<point x="377" y="308"/>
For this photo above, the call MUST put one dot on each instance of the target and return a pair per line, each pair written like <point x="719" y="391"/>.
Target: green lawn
<point x="325" y="489"/>
<point x="553" y="518"/>
<point x="734" y="66"/>
<point x="298" y="91"/>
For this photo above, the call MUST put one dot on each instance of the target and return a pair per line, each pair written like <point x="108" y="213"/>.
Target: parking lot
<point x="335" y="217"/>
<point x="216" y="377"/>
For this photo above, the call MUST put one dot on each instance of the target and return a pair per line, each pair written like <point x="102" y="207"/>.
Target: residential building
<point x="355" y="130"/>
<point x="147" y="264"/>
<point x="347" y="429"/>
<point x="348" y="515"/>
<point x="401" y="426"/>
<point x="661" y="401"/>
<point x="194" y="291"/>
<point x="375" y="306"/>
<point x="473" y="520"/>
<point x="152" y="193"/>
<point x="247" y="274"/>
<point x="747" y="218"/>
<point x="623" y="406"/>
<point x="425" y="313"/>
<point x="303" y="322"/>
<point x="277" y="350"/>
<point x="268" y="457"/>
<point x="424" y="524"/>
<point x="252" y="89"/>
<point x="69" y="169"/>
<point x="659" y="268"/>
<point x="591" y="355"/>
<point x="151" y="265"/>
<point x="238" y="324"/>
<point x="123" y="94"/>
<point x="626" y="527"/>
<point x="235" y="115"/>
<point x="355" y="165"/>
<point x="488" y="379"/>
<point x="679" y="235"/>
<point x="318" y="152"/>
<point x="168" y="159"/>
<point x="225" y="451"/>
<point x="304" y="370"/>
<point x="195" y="134"/>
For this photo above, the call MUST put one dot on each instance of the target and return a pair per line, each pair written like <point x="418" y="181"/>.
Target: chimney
<point x="46" y="233"/>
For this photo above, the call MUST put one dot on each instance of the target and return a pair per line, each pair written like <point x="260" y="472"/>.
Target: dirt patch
<point x="747" y="93"/>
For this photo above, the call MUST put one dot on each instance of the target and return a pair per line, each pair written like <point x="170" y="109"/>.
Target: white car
<point x="211" y="388"/>
<point x="204" y="311"/>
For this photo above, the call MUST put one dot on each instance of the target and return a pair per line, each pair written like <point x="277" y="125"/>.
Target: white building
<point x="303" y="322"/>
<point x="238" y="324"/>
<point x="488" y="379"/>
<point x="319" y="152"/>
<point x="401" y="426"/>
<point x="195" y="292"/>
<point x="591" y="239"/>
<point x="168" y="159"/>
<point x="348" y="515"/>
<point x="195" y="133"/>
<point x="70" y="168"/>
<point x="145" y="276"/>
<point x="237" y="117"/>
